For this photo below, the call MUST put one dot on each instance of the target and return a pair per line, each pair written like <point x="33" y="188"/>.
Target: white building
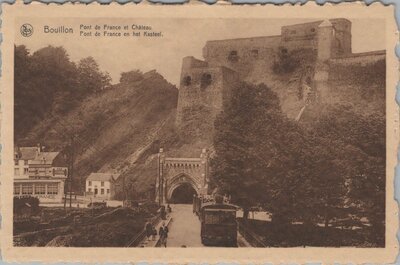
<point x="39" y="174"/>
<point x="101" y="185"/>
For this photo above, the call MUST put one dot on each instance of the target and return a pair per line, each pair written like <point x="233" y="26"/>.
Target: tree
<point x="131" y="76"/>
<point x="47" y="83"/>
<point x="90" y="78"/>
<point x="349" y="163"/>
<point x="39" y="79"/>
<point x="256" y="148"/>
<point x="360" y="147"/>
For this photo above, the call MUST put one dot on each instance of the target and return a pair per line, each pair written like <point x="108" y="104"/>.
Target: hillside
<point x="115" y="128"/>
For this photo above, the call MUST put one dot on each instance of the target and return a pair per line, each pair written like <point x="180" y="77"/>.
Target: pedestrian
<point x="165" y="230"/>
<point x="149" y="230"/>
<point x="163" y="213"/>
<point x="154" y="230"/>
<point x="169" y="208"/>
<point x="163" y="239"/>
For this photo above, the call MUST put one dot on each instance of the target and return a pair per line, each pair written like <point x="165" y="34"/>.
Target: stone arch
<point x="175" y="171"/>
<point x="179" y="180"/>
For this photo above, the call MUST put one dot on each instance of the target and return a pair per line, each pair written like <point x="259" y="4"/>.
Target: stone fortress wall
<point x="364" y="58"/>
<point x="204" y="83"/>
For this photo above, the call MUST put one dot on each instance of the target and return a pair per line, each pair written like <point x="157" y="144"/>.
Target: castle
<point x="325" y="75"/>
<point x="204" y="83"/>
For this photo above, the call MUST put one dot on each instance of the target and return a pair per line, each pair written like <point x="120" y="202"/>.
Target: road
<point x="184" y="230"/>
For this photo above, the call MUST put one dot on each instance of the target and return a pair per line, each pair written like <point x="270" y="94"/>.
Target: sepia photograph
<point x="268" y="137"/>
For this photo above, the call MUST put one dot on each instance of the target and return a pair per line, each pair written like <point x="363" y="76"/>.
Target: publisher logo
<point x="26" y="30"/>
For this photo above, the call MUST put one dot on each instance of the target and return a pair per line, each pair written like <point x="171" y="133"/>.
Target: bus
<point x="218" y="223"/>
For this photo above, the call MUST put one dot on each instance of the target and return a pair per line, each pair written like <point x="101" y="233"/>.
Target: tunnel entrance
<point x="183" y="194"/>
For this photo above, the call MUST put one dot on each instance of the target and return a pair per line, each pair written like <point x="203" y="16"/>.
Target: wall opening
<point x="183" y="194"/>
<point x="233" y="56"/>
<point x="205" y="80"/>
<point x="187" y="81"/>
<point x="254" y="53"/>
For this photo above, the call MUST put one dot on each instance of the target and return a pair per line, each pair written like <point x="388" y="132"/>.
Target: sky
<point x="181" y="37"/>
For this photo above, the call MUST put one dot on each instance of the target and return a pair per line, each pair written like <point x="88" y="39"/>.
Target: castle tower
<point x="200" y="95"/>
<point x="325" y="40"/>
<point x="341" y="37"/>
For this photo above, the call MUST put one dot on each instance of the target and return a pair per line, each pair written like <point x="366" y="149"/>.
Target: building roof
<point x="44" y="156"/>
<point x="27" y="153"/>
<point x="103" y="176"/>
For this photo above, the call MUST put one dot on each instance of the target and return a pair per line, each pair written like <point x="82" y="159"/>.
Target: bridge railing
<point x="135" y="241"/>
<point x="250" y="235"/>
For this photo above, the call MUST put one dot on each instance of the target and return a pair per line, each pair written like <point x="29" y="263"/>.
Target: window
<point x="16" y="171"/>
<point x="102" y="183"/>
<point x="254" y="53"/>
<point x="89" y="189"/>
<point x="233" y="56"/>
<point x="17" y="189"/>
<point x="25" y="162"/>
<point x="27" y="189"/>
<point x="52" y="188"/>
<point x="102" y="191"/>
<point x="108" y="191"/>
<point x="187" y="80"/>
<point x="26" y="170"/>
<point x="16" y="162"/>
<point x="205" y="80"/>
<point x="220" y="217"/>
<point x="90" y="183"/>
<point x="40" y="189"/>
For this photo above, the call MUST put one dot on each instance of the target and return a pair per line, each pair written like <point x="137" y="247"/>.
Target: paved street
<point x="184" y="229"/>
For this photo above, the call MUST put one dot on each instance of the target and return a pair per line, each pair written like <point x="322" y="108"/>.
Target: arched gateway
<point x="173" y="173"/>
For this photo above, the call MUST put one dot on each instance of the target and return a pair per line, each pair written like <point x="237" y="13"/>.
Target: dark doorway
<point x="183" y="194"/>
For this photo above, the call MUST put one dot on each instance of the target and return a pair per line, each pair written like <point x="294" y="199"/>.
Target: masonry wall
<point x="200" y="96"/>
<point x="360" y="77"/>
<point x="306" y="31"/>
<point x="241" y="54"/>
<point x="359" y="58"/>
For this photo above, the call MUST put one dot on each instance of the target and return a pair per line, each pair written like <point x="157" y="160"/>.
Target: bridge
<point x="181" y="178"/>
